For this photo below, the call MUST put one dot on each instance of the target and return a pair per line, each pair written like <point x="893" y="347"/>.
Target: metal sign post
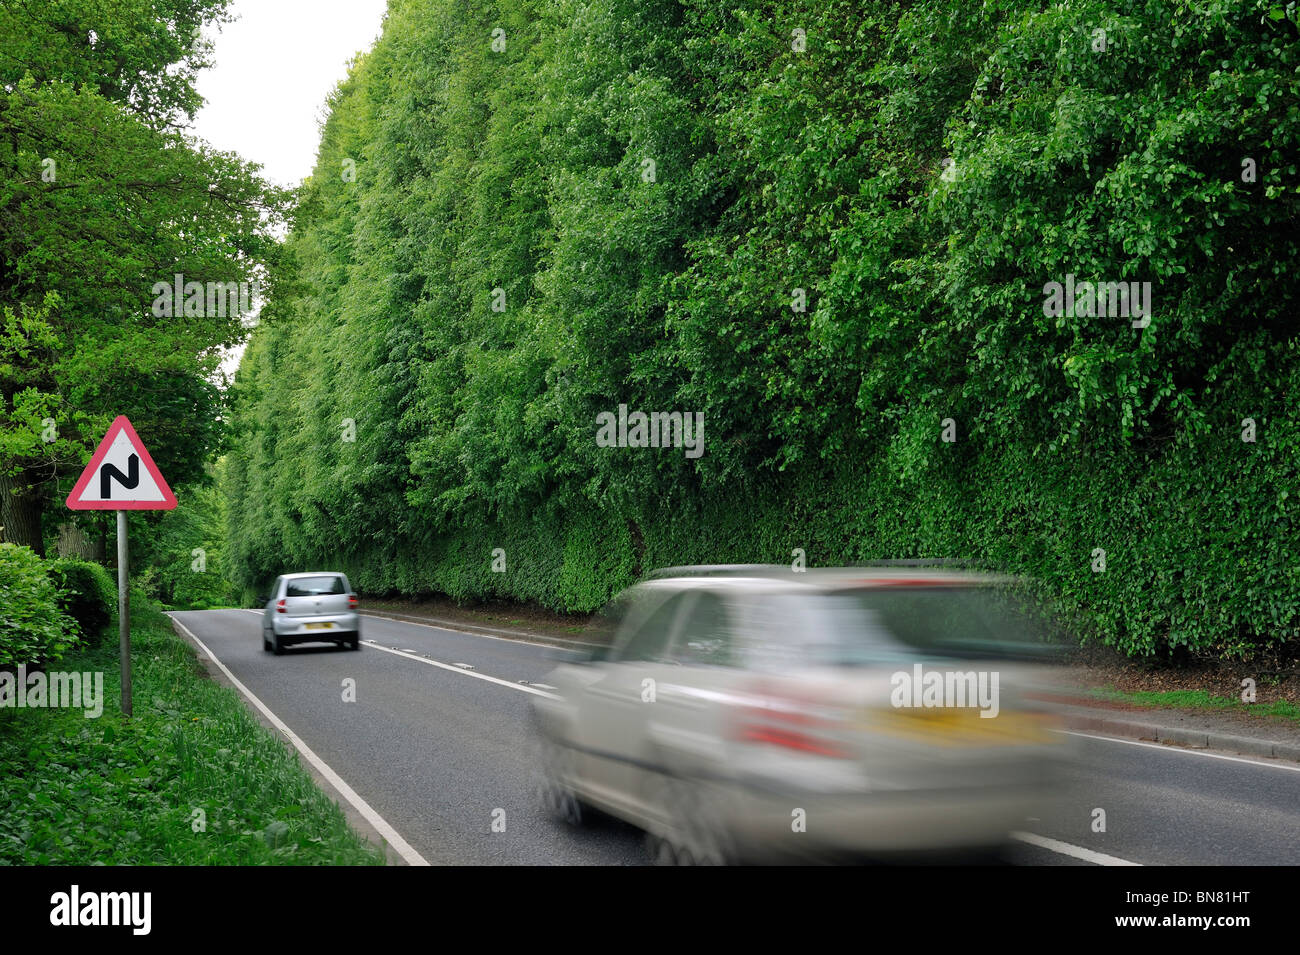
<point x="115" y="481"/>
<point x="123" y="613"/>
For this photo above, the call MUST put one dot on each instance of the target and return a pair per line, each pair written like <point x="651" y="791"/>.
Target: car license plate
<point x="949" y="726"/>
<point x="318" y="626"/>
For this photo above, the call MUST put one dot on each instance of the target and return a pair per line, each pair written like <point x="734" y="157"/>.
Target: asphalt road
<point x="441" y="753"/>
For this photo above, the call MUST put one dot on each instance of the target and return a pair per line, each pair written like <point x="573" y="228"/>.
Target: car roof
<point x="779" y="577"/>
<point x="315" y="573"/>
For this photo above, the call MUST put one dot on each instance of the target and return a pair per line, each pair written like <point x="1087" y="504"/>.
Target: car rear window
<point x="885" y="625"/>
<point x="315" y="586"/>
<point x="960" y="621"/>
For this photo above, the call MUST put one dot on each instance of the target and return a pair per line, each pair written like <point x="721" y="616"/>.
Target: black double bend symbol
<point x="110" y="472"/>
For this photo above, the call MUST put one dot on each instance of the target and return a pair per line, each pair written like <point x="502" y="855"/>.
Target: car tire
<point x="998" y="854"/>
<point x="696" y="833"/>
<point x="277" y="647"/>
<point x="266" y="643"/>
<point x="555" y="792"/>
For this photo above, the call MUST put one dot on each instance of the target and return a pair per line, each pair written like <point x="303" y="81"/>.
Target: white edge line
<point x="1062" y="848"/>
<point x="379" y="615"/>
<point x="1052" y="845"/>
<point x="402" y="847"/>
<point x="481" y="676"/>
<point x="1108" y="739"/>
<point x="382" y="615"/>
<point x="1066" y="849"/>
<point x="1184" y="750"/>
<point x="450" y="667"/>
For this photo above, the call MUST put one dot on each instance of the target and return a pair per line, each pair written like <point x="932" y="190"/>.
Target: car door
<point x="268" y="610"/>
<point x="705" y="677"/>
<point x="614" y="708"/>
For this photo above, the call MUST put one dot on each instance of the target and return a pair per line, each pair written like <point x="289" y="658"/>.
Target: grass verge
<point x="191" y="779"/>
<point x="1197" y="699"/>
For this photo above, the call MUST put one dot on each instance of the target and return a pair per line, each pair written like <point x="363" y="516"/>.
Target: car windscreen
<point x="598" y="636"/>
<point x="315" y="586"/>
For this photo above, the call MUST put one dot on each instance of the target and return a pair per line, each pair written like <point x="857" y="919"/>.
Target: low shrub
<point x="33" y="626"/>
<point x="88" y="595"/>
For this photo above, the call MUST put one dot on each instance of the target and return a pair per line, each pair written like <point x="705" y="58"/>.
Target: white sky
<point x="274" y="67"/>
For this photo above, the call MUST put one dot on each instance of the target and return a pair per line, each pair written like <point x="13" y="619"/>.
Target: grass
<point x="1197" y="699"/>
<point x="110" y="791"/>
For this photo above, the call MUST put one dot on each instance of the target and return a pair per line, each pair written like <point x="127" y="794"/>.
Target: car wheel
<point x="266" y="643"/>
<point x="354" y="643"/>
<point x="276" y="646"/>
<point x="997" y="854"/>
<point x="696" y="833"/>
<point x="555" y="792"/>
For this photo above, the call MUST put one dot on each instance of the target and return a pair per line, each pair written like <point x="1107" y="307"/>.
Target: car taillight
<point x="352" y="601"/>
<point x="790" y="723"/>
<point x="279" y="606"/>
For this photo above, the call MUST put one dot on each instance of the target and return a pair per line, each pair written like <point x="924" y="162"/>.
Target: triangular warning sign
<point x="121" y="476"/>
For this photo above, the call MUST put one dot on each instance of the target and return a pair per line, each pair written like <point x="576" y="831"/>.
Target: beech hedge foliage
<point x="1010" y="281"/>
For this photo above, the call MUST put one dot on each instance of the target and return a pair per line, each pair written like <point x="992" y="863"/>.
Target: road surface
<point x="438" y="745"/>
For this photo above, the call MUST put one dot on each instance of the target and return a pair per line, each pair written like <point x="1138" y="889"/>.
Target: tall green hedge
<point x="831" y="228"/>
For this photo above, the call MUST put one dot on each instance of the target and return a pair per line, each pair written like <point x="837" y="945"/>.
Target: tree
<point x="104" y="200"/>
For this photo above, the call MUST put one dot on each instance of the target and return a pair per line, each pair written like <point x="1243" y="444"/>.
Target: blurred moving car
<point x="310" y="607"/>
<point x="752" y="712"/>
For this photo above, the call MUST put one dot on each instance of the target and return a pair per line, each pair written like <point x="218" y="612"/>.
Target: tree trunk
<point x="20" y="513"/>
<point x="75" y="542"/>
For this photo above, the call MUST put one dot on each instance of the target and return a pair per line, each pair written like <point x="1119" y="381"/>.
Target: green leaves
<point x="832" y="251"/>
<point x="191" y="779"/>
<point x="102" y="197"/>
<point x="33" y="628"/>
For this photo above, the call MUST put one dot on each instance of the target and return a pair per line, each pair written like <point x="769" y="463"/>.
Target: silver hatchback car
<point x="751" y="713"/>
<point x="306" y="608"/>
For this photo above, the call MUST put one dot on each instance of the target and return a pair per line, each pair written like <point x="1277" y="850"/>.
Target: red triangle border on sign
<point x="120" y="423"/>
